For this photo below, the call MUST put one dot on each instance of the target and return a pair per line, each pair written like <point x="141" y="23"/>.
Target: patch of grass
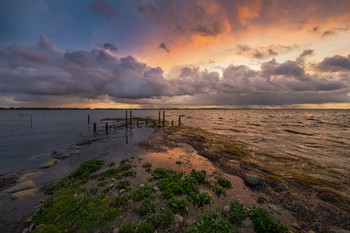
<point x="237" y="212"/>
<point x="129" y="173"/>
<point x="143" y="192"/>
<point x="263" y="222"/>
<point x="102" y="183"/>
<point x="120" y="201"/>
<point x="200" y="176"/>
<point x="178" y="206"/>
<point x="202" y="199"/>
<point x="146" y="207"/>
<point x="165" y="218"/>
<point x="123" y="184"/>
<point x="127" y="227"/>
<point x="179" y="162"/>
<point x="124" y="161"/>
<point x="79" y="176"/>
<point x="124" y="167"/>
<point x="111" y="164"/>
<point x="144" y="227"/>
<point x="112" y="172"/>
<point x="80" y="212"/>
<point x="219" y="191"/>
<point x="210" y="222"/>
<point x="225" y="183"/>
<point x="260" y="200"/>
<point x="139" y="159"/>
<point x="147" y="166"/>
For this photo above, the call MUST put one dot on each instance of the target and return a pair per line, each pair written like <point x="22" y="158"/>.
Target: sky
<point x="157" y="53"/>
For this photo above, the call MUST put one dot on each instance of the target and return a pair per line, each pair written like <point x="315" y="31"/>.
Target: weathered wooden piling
<point x="137" y="123"/>
<point x="130" y="118"/>
<point x="126" y="119"/>
<point x="94" y="126"/>
<point x="154" y="123"/>
<point x="163" y="118"/>
<point x="106" y="128"/>
<point x="172" y="122"/>
<point x="146" y="122"/>
<point x="179" y="120"/>
<point x="159" y="117"/>
<point x="31" y="121"/>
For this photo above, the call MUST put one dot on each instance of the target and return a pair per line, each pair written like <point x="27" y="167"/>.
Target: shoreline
<point x="232" y="161"/>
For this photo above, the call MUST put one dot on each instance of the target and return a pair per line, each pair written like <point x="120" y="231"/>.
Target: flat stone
<point x="21" y="186"/>
<point x="251" y="180"/>
<point x="25" y="194"/>
<point x="111" y="185"/>
<point x="178" y="218"/>
<point x="274" y="208"/>
<point x="39" y="156"/>
<point x="227" y="208"/>
<point x="74" y="152"/>
<point x="29" y="175"/>
<point x="247" y="222"/>
<point x="49" y="163"/>
<point x="121" y="191"/>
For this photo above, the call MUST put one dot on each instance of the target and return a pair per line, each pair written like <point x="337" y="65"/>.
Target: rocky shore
<point x="178" y="179"/>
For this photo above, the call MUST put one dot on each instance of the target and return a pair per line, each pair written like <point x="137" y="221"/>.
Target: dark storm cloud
<point x="103" y="9"/>
<point x="36" y="73"/>
<point x="110" y="46"/>
<point x="263" y="52"/>
<point x="164" y="46"/>
<point x="335" y="64"/>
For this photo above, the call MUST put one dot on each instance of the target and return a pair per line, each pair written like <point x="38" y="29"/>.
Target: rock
<point x="7" y="181"/>
<point x="73" y="152"/>
<point x="25" y="194"/>
<point x="16" y="173"/>
<point x="25" y="230"/>
<point x="116" y="230"/>
<point x="111" y="185"/>
<point x="227" y="208"/>
<point x="40" y="226"/>
<point x="39" y="156"/>
<point x="247" y="222"/>
<point x="49" y="163"/>
<point x="251" y="180"/>
<point x="121" y="191"/>
<point x="57" y="218"/>
<point x="310" y="231"/>
<point x="113" y="179"/>
<point x="274" y="208"/>
<point x="178" y="218"/>
<point x="29" y="175"/>
<point x="21" y="186"/>
<point x="142" y="185"/>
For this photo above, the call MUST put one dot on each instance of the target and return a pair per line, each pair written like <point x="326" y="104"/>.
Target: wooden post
<point x="172" y="122"/>
<point x="130" y="118"/>
<point x="31" y="121"/>
<point x="106" y="128"/>
<point x="235" y="118"/>
<point x="146" y="122"/>
<point x="126" y="119"/>
<point x="137" y="123"/>
<point x="163" y="118"/>
<point x="88" y="119"/>
<point x="179" y="120"/>
<point x="159" y="117"/>
<point x="154" y="122"/>
<point x="94" y="126"/>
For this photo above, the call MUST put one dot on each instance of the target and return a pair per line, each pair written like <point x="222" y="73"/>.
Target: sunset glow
<point x="116" y="54"/>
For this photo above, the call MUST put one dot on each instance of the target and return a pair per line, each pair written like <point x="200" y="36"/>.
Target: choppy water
<point x="320" y="135"/>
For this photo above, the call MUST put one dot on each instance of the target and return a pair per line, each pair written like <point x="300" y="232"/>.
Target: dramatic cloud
<point x="110" y="46"/>
<point x="335" y="64"/>
<point x="39" y="74"/>
<point x="164" y="46"/>
<point x="103" y="9"/>
<point x="264" y="51"/>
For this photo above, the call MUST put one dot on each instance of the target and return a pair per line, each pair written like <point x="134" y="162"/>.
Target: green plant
<point x="165" y="218"/>
<point x="144" y="227"/>
<point x="123" y="184"/>
<point x="124" y="167"/>
<point x="143" y="192"/>
<point x="200" y="176"/>
<point x="202" y="199"/>
<point x="260" y="199"/>
<point x="237" y="212"/>
<point x="146" y="207"/>
<point x="124" y="161"/>
<point x="127" y="227"/>
<point x="102" y="183"/>
<point x="178" y="162"/>
<point x="111" y="164"/>
<point x="210" y="222"/>
<point x="264" y="222"/>
<point x="219" y="191"/>
<point x="178" y="206"/>
<point x="225" y="183"/>
<point x="147" y="166"/>
<point x="129" y="173"/>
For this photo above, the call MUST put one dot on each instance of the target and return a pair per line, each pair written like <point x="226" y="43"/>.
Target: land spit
<point x="296" y="203"/>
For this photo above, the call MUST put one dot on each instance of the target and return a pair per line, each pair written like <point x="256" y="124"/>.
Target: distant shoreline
<point x="247" y="108"/>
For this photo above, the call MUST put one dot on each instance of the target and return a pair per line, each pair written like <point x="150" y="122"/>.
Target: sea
<point x="317" y="135"/>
